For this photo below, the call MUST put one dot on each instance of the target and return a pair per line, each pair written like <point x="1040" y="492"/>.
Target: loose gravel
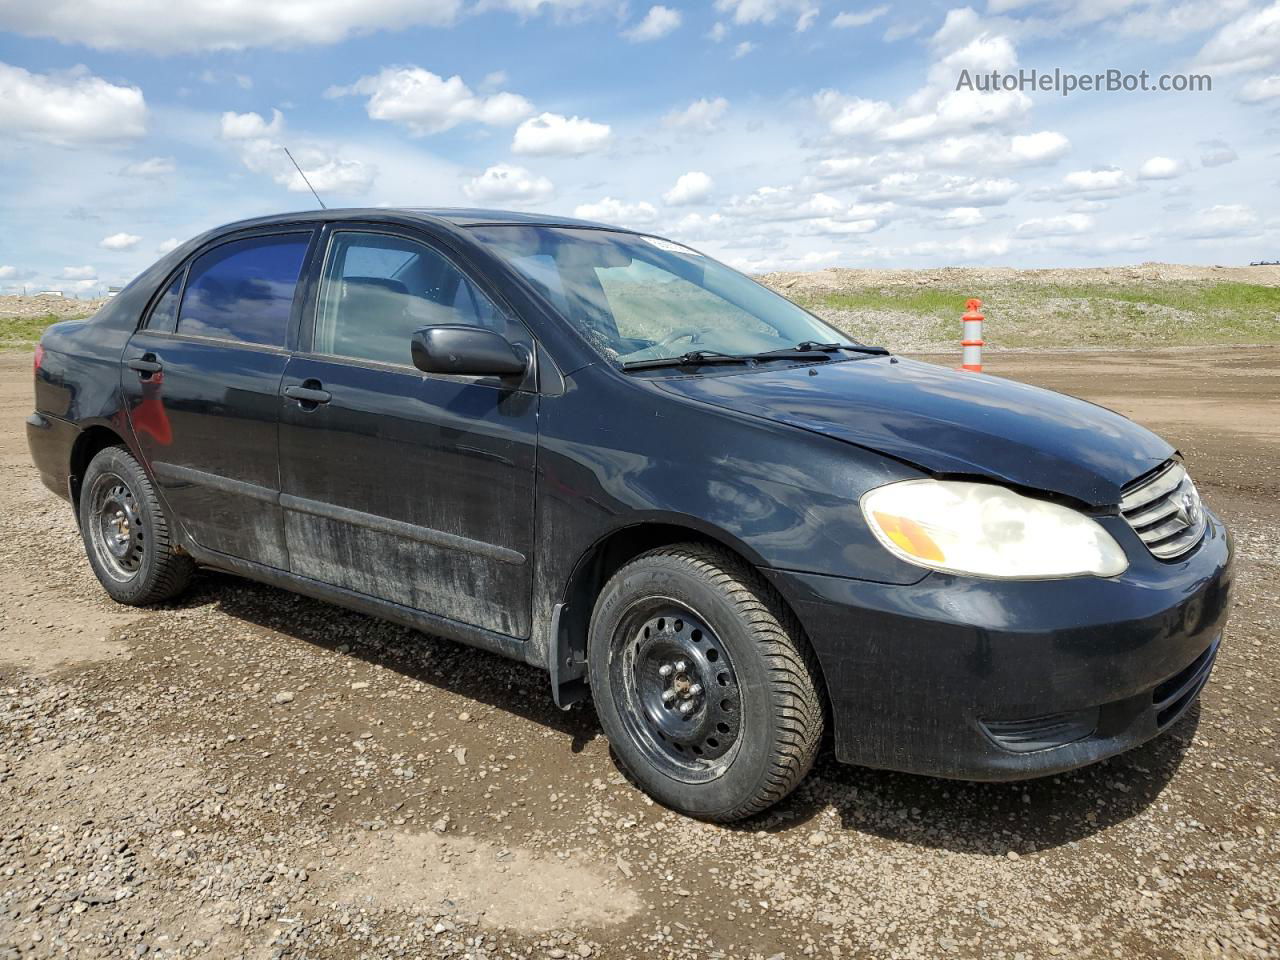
<point x="247" y="773"/>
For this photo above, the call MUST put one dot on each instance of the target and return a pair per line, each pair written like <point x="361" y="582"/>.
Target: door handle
<point x="307" y="395"/>
<point x="145" y="365"/>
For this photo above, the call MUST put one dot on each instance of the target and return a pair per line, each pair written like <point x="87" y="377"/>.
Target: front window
<point x="378" y="289"/>
<point x="639" y="299"/>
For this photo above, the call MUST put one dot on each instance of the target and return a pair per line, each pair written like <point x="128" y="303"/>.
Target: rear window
<point x="243" y="290"/>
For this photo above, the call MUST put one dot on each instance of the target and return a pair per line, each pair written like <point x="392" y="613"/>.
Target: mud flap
<point x="568" y="666"/>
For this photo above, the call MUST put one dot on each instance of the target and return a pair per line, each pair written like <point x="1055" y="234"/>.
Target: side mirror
<point x="471" y="351"/>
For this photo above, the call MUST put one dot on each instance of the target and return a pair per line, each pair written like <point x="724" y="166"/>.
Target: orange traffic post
<point x="972" y="342"/>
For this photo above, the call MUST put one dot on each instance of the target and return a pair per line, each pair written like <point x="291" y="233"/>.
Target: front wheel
<point x="704" y="683"/>
<point x="126" y="534"/>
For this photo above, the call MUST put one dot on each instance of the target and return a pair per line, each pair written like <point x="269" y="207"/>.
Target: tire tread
<point x="797" y="698"/>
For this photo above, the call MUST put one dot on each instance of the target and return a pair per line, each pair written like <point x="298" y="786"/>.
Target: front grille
<point x="1165" y="512"/>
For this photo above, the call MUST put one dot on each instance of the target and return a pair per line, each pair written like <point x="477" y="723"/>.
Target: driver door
<point x="409" y="487"/>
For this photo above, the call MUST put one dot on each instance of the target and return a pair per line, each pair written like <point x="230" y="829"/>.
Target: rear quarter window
<point x="243" y="290"/>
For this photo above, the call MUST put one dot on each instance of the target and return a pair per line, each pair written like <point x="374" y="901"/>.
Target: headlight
<point x="986" y="530"/>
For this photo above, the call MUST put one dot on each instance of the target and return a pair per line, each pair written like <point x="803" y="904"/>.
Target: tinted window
<point x="164" y="315"/>
<point x="378" y="290"/>
<point x="243" y="290"/>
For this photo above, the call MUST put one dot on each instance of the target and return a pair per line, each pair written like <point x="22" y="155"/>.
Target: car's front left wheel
<point x="128" y="537"/>
<point x="704" y="682"/>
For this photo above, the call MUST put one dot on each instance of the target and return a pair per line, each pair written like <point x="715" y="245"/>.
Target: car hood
<point x="948" y="422"/>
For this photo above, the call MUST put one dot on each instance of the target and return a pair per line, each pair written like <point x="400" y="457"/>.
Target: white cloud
<point x="1260" y="89"/>
<point x="1217" y="153"/>
<point x="68" y="108"/>
<point x="151" y="167"/>
<point x="79" y="273"/>
<point x="257" y="142"/>
<point x="859" y="19"/>
<point x="658" y="22"/>
<point x="165" y="246"/>
<point x="1161" y="168"/>
<point x="852" y="116"/>
<point x="552" y="134"/>
<point x="1099" y="184"/>
<point x="120" y="241"/>
<point x="827" y="226"/>
<point x="698" y="226"/>
<point x="766" y="11"/>
<point x="1222" y="220"/>
<point x="742" y="49"/>
<point x="1042" y="147"/>
<point x="8" y="272"/>
<point x="426" y="103"/>
<point x="505" y="183"/>
<point x="940" y="190"/>
<point x="1251" y="42"/>
<point x="617" y="212"/>
<point x="717" y="33"/>
<point x="1066" y="225"/>
<point x="780" y="204"/>
<point x="250" y="126"/>
<point x="692" y="187"/>
<point x="961" y="218"/>
<point x="217" y="24"/>
<point x="702" y="115"/>
<point x="937" y="108"/>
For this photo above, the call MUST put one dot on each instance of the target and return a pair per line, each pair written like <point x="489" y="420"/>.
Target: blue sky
<point x="770" y="133"/>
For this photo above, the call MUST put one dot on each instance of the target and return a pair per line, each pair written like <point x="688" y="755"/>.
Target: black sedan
<point x="605" y="454"/>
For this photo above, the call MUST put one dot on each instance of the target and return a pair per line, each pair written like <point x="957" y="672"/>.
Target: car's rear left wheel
<point x="704" y="683"/>
<point x="127" y="536"/>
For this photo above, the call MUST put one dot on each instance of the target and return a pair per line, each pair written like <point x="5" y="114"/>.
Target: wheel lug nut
<point x="664" y="670"/>
<point x="681" y="666"/>
<point x="668" y="696"/>
<point x="686" y="708"/>
<point x="695" y="690"/>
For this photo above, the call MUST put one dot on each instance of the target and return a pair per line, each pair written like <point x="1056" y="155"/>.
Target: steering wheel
<point x="679" y="334"/>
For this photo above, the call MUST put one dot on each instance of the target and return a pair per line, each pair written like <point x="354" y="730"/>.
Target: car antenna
<point x="304" y="177"/>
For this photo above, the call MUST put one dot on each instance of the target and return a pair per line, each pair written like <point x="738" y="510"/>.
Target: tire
<point x="704" y="683"/>
<point x="127" y="536"/>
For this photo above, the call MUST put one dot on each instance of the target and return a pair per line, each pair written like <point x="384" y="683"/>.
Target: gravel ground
<point x="251" y="774"/>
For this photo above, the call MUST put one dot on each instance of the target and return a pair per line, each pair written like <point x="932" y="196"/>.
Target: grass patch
<point x="16" y="332"/>
<point x="1097" y="315"/>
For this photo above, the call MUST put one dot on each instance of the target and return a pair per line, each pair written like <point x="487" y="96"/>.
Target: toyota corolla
<point x="600" y="452"/>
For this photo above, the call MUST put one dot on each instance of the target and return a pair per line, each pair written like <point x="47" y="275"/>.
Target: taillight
<point x="37" y="358"/>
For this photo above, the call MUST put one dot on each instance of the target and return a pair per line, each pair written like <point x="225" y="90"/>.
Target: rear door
<point x="408" y="487"/>
<point x="202" y="380"/>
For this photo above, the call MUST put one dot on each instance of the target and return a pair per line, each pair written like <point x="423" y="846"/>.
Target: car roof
<point x="452" y="216"/>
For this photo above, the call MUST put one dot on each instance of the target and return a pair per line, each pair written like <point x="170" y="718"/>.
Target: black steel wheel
<point x="679" y="678"/>
<point x="704" y="682"/>
<point x="115" y="534"/>
<point x="127" y="537"/>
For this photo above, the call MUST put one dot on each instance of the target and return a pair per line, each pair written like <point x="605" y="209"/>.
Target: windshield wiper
<point x="692" y="358"/>
<point x="808" y="349"/>
<point x="808" y="345"/>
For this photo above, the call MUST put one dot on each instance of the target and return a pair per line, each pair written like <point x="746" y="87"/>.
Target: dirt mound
<point x="64" y="308"/>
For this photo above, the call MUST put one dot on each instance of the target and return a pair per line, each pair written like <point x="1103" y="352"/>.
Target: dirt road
<point x="248" y="773"/>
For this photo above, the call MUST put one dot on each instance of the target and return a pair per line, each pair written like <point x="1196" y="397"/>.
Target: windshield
<point x="639" y="298"/>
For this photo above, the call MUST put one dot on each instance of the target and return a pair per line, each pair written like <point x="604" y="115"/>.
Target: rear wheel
<point x="704" y="683"/>
<point x="126" y="534"/>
